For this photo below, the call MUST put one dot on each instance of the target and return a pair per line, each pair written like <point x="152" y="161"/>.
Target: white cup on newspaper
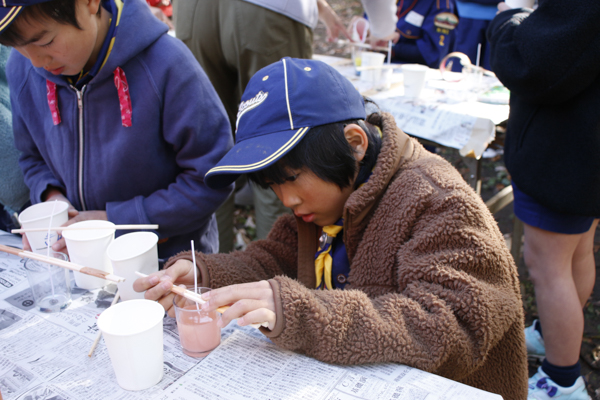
<point x="39" y="216"/>
<point x="414" y="79"/>
<point x="87" y="247"/>
<point x="133" y="333"/>
<point x="137" y="251"/>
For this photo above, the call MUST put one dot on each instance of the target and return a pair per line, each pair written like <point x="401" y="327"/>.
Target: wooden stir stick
<point x="81" y="228"/>
<point x="99" y="332"/>
<point x="63" y="264"/>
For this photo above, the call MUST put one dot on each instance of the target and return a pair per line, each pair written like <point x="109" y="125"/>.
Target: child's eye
<point x="291" y="178"/>
<point x="47" y="44"/>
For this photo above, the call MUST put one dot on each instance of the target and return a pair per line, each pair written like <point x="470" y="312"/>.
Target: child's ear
<point x="358" y="140"/>
<point x="92" y="5"/>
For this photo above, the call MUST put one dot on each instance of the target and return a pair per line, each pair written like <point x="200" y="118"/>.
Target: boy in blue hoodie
<point x="115" y="117"/>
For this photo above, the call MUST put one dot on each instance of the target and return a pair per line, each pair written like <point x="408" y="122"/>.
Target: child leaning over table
<point x="114" y="116"/>
<point x="420" y="272"/>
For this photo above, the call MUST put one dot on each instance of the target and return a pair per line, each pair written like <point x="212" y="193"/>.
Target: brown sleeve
<point x="262" y="259"/>
<point x="280" y="317"/>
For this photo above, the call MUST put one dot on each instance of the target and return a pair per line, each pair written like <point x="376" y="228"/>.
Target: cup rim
<point x="129" y="303"/>
<point x="123" y="238"/>
<point x="67" y="234"/>
<point x="29" y="261"/>
<point x="22" y="216"/>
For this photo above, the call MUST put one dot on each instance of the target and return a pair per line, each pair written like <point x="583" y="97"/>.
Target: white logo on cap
<point x="250" y="104"/>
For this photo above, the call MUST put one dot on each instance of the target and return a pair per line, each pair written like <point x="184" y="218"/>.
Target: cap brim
<point x="8" y="15"/>
<point x="252" y="155"/>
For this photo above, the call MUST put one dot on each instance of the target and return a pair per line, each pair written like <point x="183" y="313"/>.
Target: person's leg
<point x="584" y="265"/>
<point x="549" y="258"/>
<point x="265" y="37"/>
<point x="203" y="25"/>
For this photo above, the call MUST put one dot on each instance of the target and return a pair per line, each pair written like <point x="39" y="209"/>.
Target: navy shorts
<point x="533" y="213"/>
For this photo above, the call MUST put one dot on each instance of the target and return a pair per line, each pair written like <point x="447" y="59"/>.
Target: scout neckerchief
<point x="323" y="259"/>
<point x="84" y="77"/>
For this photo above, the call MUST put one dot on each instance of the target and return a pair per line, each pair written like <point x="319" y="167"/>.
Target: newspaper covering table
<point x="447" y="113"/>
<point x="44" y="356"/>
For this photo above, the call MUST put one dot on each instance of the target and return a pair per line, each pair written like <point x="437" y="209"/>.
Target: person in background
<point x="425" y="31"/>
<point x="550" y="61"/>
<point x="475" y="17"/>
<point x="232" y="40"/>
<point x="115" y="117"/>
<point x="14" y="194"/>
<point x="390" y="255"/>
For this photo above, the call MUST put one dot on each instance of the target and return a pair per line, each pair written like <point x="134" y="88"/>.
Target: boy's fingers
<point x="258" y="317"/>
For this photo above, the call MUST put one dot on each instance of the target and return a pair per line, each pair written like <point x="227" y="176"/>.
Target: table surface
<point x="448" y="113"/>
<point x="44" y="356"/>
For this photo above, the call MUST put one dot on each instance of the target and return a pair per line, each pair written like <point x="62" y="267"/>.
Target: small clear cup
<point x="198" y="330"/>
<point x="50" y="284"/>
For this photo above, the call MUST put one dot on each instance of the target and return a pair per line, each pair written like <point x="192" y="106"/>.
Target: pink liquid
<point x="198" y="332"/>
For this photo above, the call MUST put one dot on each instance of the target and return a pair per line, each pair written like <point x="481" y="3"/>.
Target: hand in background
<point x="503" y="7"/>
<point x="332" y="22"/>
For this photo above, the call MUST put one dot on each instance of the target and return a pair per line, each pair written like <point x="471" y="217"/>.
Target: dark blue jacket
<point x="550" y="61"/>
<point x="151" y="172"/>
<point x="426" y="31"/>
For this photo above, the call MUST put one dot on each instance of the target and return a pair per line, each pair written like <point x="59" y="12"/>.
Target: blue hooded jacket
<point x="150" y="172"/>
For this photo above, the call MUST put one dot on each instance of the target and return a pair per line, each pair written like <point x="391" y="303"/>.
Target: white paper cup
<point x="371" y="59"/>
<point x="38" y="216"/>
<point x="133" y="334"/>
<point x="87" y="247"/>
<point x="414" y="79"/>
<point x="520" y="3"/>
<point x="132" y="252"/>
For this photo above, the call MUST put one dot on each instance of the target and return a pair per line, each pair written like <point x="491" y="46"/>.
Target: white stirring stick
<point x="195" y="273"/>
<point x="188" y="294"/>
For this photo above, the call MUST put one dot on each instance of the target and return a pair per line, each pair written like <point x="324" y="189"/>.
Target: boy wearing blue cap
<point x="389" y="257"/>
<point x="114" y="116"/>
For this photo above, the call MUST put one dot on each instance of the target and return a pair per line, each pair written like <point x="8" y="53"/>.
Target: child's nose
<point x="287" y="197"/>
<point x="38" y="59"/>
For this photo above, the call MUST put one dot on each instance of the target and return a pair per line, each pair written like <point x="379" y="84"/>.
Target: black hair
<point x="62" y="11"/>
<point x="325" y="151"/>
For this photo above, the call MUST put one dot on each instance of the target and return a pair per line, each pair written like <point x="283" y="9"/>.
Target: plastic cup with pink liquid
<point x="198" y="330"/>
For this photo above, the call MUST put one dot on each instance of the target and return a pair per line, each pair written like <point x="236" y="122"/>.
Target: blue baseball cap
<point x="9" y="9"/>
<point x="281" y="103"/>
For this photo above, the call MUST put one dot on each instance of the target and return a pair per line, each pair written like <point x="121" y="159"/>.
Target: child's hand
<point x="158" y="285"/>
<point x="251" y="303"/>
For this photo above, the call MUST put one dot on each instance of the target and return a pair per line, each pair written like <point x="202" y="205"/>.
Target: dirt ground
<point x="495" y="178"/>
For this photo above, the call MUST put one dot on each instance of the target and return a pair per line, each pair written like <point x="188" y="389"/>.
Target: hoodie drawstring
<point x="52" y="101"/>
<point x="122" y="89"/>
<point x="124" y="98"/>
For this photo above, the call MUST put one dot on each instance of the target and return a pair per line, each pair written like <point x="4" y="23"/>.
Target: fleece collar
<point x="397" y="149"/>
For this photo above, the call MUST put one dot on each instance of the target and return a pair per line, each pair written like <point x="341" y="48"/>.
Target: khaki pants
<point x="232" y="40"/>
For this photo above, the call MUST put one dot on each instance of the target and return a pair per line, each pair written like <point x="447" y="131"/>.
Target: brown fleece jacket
<point x="431" y="283"/>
